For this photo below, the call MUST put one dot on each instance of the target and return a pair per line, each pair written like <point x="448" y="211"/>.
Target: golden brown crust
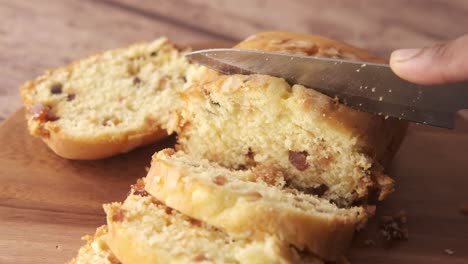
<point x="248" y="215"/>
<point x="306" y="44"/>
<point x="92" y="148"/>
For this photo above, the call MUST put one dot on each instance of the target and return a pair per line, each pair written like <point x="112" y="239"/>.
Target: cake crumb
<point x="393" y="228"/>
<point x="448" y="251"/>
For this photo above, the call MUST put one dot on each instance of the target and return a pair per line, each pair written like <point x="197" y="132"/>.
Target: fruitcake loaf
<point x="321" y="146"/>
<point x="109" y="103"/>
<point x="252" y="203"/>
<point x="143" y="230"/>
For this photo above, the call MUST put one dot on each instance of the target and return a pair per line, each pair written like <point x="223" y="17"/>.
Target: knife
<point x="369" y="87"/>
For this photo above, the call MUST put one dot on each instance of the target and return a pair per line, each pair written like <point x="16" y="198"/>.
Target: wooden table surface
<point x="39" y="35"/>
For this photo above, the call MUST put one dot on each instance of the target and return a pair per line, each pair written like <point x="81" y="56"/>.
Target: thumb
<point x="442" y="63"/>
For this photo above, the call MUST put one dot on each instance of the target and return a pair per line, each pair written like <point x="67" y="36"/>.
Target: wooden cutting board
<point x="47" y="203"/>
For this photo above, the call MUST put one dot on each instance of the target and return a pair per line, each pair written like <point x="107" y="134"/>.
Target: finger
<point x="442" y="63"/>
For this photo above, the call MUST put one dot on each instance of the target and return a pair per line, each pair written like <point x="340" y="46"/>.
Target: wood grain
<point x="379" y="25"/>
<point x="47" y="203"/>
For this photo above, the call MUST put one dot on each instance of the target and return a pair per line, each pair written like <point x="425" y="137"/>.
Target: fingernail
<point x="402" y="55"/>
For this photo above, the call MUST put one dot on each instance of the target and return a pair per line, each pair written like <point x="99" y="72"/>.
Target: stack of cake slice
<point x="144" y="230"/>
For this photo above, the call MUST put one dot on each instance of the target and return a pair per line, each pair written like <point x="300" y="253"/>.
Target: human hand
<point x="442" y="63"/>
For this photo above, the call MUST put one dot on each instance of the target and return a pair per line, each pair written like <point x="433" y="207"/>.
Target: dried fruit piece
<point x="119" y="215"/>
<point x="268" y="175"/>
<point x="200" y="257"/>
<point x="139" y="188"/>
<point x="299" y="159"/>
<point x="195" y="222"/>
<point x="156" y="201"/>
<point x="56" y="88"/>
<point x="38" y="111"/>
<point x="42" y="113"/>
<point x="136" y="81"/>
<point x="71" y="97"/>
<point x="112" y="259"/>
<point x="220" y="180"/>
<point x="51" y="117"/>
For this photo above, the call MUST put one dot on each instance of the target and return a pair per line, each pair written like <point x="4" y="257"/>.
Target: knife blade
<point x="369" y="87"/>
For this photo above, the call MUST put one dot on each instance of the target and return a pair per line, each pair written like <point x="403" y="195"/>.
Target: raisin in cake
<point x="321" y="146"/>
<point x="108" y="103"/>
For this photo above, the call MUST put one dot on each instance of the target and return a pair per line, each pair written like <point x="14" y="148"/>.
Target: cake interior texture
<point x="321" y="146"/>
<point x="116" y="94"/>
<point x="144" y="230"/>
<point x="240" y="121"/>
<point x="253" y="203"/>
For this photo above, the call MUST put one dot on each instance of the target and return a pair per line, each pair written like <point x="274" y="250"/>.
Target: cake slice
<point x="241" y="121"/>
<point x="144" y="230"/>
<point x="96" y="250"/>
<point x="252" y="203"/>
<point x="109" y="103"/>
